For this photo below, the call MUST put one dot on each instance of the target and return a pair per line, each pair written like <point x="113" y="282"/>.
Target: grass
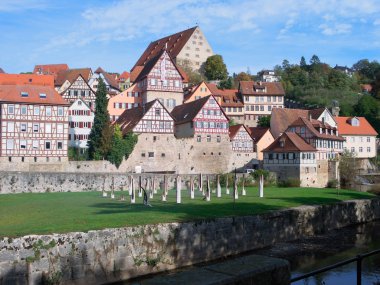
<point x="23" y="214"/>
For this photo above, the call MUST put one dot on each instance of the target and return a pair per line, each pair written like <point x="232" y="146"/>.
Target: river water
<point x="319" y="251"/>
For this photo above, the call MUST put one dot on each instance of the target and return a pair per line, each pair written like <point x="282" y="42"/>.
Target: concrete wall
<point x="108" y="255"/>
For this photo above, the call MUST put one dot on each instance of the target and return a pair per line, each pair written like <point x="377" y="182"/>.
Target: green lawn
<point x="22" y="214"/>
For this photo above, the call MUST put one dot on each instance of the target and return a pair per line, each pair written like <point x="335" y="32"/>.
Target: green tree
<point x="264" y="122"/>
<point x="303" y="63"/>
<point x="347" y="169"/>
<point x="315" y="60"/>
<point x="215" y="68"/>
<point x="226" y="84"/>
<point x="195" y="76"/>
<point x="100" y="135"/>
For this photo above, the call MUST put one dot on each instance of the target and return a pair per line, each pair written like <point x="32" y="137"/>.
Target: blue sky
<point x="252" y="34"/>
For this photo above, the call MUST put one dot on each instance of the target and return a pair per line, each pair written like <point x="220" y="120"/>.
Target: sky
<point x="249" y="34"/>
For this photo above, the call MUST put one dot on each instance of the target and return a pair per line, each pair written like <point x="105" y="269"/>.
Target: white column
<point x="200" y="183"/>
<point x="227" y="189"/>
<point x="154" y="185"/>
<point x="218" y="188"/>
<point x="132" y="190"/>
<point x="261" y="186"/>
<point x="208" y="193"/>
<point x="151" y="188"/>
<point x="179" y="189"/>
<point x="140" y="184"/>
<point x="236" y="189"/>
<point x="243" y="192"/>
<point x="164" y="190"/>
<point x="191" y="187"/>
<point x="113" y="188"/>
<point x="104" y="193"/>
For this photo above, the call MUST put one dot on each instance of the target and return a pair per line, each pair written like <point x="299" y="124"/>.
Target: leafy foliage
<point x="226" y="84"/>
<point x="264" y="121"/>
<point x="347" y="169"/>
<point x="215" y="68"/>
<point x="195" y="76"/>
<point x="100" y="136"/>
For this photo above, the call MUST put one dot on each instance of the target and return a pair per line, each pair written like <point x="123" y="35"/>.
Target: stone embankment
<point x="108" y="255"/>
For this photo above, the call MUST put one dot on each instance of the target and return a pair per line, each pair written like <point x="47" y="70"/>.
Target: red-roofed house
<point x="34" y="124"/>
<point x="290" y="156"/>
<point x="124" y="80"/>
<point x="359" y="134"/>
<point x="79" y="89"/>
<point x="260" y="98"/>
<point x="27" y="79"/>
<point x="110" y="80"/>
<point x="50" y="69"/>
<point x="81" y="119"/>
<point x="263" y="138"/>
<point x="243" y="147"/>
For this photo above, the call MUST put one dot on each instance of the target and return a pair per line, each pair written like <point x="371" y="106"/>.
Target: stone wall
<point x="97" y="257"/>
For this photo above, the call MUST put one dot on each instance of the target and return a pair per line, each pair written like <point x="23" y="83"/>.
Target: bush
<point x="290" y="182"/>
<point x="332" y="183"/>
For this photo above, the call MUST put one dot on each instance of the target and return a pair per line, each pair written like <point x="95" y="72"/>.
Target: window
<point x="24" y="110"/>
<point x="36" y="128"/>
<point x="47" y="145"/>
<point x="360" y="149"/>
<point x="157" y="112"/>
<point x="368" y="149"/>
<point x="279" y="99"/>
<point x="60" y="111"/>
<point x="257" y="108"/>
<point x="153" y="82"/>
<point x="143" y="154"/>
<point x="35" y="144"/>
<point x="59" y="128"/>
<point x="11" y="109"/>
<point x="11" y="126"/>
<point x="150" y="154"/>
<point x="176" y="83"/>
<point x="48" y="128"/>
<point x="36" y="110"/>
<point x="23" y="127"/>
<point x="269" y="108"/>
<point x="218" y="139"/>
<point x="10" y="144"/>
<point x="148" y="124"/>
<point x="42" y="95"/>
<point x="199" y="138"/>
<point x="261" y="108"/>
<point x="59" y="145"/>
<point x="48" y="111"/>
<point x="22" y="144"/>
<point x="208" y="138"/>
<point x="352" y="149"/>
<point x="368" y="139"/>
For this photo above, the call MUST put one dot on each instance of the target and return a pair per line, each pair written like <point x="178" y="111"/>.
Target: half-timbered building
<point x="243" y="147"/>
<point x="81" y="119"/>
<point x="110" y="80"/>
<point x="161" y="79"/>
<point x="80" y="89"/>
<point x="34" y="124"/>
<point x="66" y="77"/>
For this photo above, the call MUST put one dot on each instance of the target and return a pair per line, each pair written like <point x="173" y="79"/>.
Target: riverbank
<point x="110" y="255"/>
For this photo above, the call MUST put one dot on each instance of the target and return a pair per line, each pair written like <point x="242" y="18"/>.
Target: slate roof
<point x="364" y="128"/>
<point x="12" y="93"/>
<point x="252" y="87"/>
<point x="292" y="142"/>
<point x="173" y="43"/>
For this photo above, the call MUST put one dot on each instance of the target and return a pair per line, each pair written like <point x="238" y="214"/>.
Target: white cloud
<point x="335" y="29"/>
<point x="17" y="5"/>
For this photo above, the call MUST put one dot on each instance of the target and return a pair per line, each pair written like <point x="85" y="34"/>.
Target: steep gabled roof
<point x="258" y="132"/>
<point x="1" y="70"/>
<point x="173" y="44"/>
<point x="291" y="142"/>
<point x="110" y="80"/>
<point x="152" y="62"/>
<point x="83" y="102"/>
<point x="12" y="93"/>
<point x="252" y="87"/>
<point x="233" y="130"/>
<point x="364" y="128"/>
<point x="131" y="117"/>
<point x="309" y="125"/>
<point x="124" y="76"/>
<point x="135" y="72"/>
<point x="71" y="75"/>
<point x="187" y="112"/>
<point x="79" y="75"/>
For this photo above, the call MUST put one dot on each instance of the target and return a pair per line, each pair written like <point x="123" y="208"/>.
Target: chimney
<point x="335" y="111"/>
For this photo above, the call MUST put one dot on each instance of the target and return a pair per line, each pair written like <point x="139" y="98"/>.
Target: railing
<point x="358" y="259"/>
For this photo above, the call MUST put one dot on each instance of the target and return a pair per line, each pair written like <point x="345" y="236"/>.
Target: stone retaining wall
<point x="97" y="257"/>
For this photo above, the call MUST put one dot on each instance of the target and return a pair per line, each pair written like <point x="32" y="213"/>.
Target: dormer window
<point x="355" y="122"/>
<point x="24" y="94"/>
<point x="42" y="95"/>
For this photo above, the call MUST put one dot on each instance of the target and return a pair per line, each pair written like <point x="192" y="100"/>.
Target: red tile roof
<point x="124" y="76"/>
<point x="110" y="80"/>
<point x="31" y="79"/>
<point x="366" y="87"/>
<point x="12" y="93"/>
<point x="71" y="75"/>
<point x="252" y="88"/>
<point x="364" y="128"/>
<point x="173" y="43"/>
<point x="135" y="72"/>
<point x="292" y="142"/>
<point x="258" y="132"/>
<point x="50" y="69"/>
<point x="233" y="130"/>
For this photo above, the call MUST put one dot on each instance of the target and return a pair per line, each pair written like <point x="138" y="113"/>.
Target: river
<point x="319" y="251"/>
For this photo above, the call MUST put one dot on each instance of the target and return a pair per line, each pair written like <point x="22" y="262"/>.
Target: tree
<point x="101" y="134"/>
<point x="303" y="63"/>
<point x="215" y="68"/>
<point x="117" y="150"/>
<point x="314" y="60"/>
<point x="264" y="122"/>
<point x="195" y="76"/>
<point x="226" y="84"/>
<point x="347" y="169"/>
